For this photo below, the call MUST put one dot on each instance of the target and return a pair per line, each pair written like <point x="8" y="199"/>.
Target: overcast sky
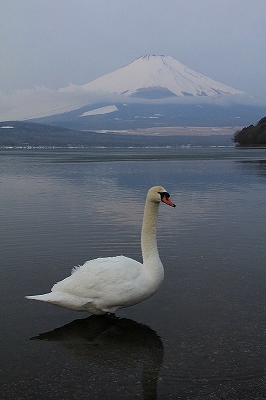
<point x="54" y="42"/>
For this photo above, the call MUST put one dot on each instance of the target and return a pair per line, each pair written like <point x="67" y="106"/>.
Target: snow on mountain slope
<point x="158" y="77"/>
<point x="100" y="111"/>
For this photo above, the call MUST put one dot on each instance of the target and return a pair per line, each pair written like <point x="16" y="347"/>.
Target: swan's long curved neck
<point x="148" y="234"/>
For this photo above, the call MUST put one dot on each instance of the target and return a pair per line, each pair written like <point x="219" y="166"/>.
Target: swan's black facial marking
<point x="166" y="194"/>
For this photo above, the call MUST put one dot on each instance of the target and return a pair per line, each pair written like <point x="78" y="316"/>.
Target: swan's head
<point x="157" y="194"/>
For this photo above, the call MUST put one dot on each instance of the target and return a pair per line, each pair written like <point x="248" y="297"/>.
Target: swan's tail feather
<point x="41" y="297"/>
<point x="62" y="300"/>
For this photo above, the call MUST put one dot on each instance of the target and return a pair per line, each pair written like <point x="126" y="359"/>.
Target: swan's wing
<point x="100" y="277"/>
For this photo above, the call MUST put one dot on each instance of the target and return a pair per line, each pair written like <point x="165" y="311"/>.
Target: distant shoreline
<point x="176" y="131"/>
<point x="24" y="134"/>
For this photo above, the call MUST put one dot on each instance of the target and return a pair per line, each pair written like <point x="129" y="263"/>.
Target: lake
<point x="201" y="336"/>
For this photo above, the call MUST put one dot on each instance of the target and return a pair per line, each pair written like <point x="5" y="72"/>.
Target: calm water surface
<point x="201" y="336"/>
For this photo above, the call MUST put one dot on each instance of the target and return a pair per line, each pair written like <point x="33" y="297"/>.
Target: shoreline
<point x="175" y="131"/>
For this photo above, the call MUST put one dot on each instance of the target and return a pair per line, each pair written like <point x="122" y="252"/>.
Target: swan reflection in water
<point x="113" y="342"/>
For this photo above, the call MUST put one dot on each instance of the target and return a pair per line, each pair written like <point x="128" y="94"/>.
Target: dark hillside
<point x="141" y="116"/>
<point x="20" y="133"/>
<point x="23" y="134"/>
<point x="252" y="136"/>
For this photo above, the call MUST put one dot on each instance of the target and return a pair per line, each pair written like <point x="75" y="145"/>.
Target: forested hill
<point x="23" y="134"/>
<point x="252" y="136"/>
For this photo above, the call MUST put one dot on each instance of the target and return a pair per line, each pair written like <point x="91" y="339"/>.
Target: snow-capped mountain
<point x="155" y="89"/>
<point x="155" y="77"/>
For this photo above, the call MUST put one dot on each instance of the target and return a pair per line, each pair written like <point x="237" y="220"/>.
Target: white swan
<point x="104" y="285"/>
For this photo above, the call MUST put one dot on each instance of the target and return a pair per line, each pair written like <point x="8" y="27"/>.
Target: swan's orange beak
<point x="166" y="200"/>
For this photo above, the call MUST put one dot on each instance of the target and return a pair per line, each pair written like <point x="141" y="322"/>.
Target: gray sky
<point x="54" y="42"/>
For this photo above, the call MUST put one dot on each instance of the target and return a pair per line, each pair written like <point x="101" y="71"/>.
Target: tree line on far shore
<point x="252" y="136"/>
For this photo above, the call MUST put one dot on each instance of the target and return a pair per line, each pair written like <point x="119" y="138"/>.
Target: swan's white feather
<point x="105" y="277"/>
<point x="112" y="283"/>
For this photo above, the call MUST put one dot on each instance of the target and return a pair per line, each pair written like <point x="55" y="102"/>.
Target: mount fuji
<point x="158" y="77"/>
<point x="152" y="91"/>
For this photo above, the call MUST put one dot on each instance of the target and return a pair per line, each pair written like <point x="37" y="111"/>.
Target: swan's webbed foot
<point x="111" y="316"/>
